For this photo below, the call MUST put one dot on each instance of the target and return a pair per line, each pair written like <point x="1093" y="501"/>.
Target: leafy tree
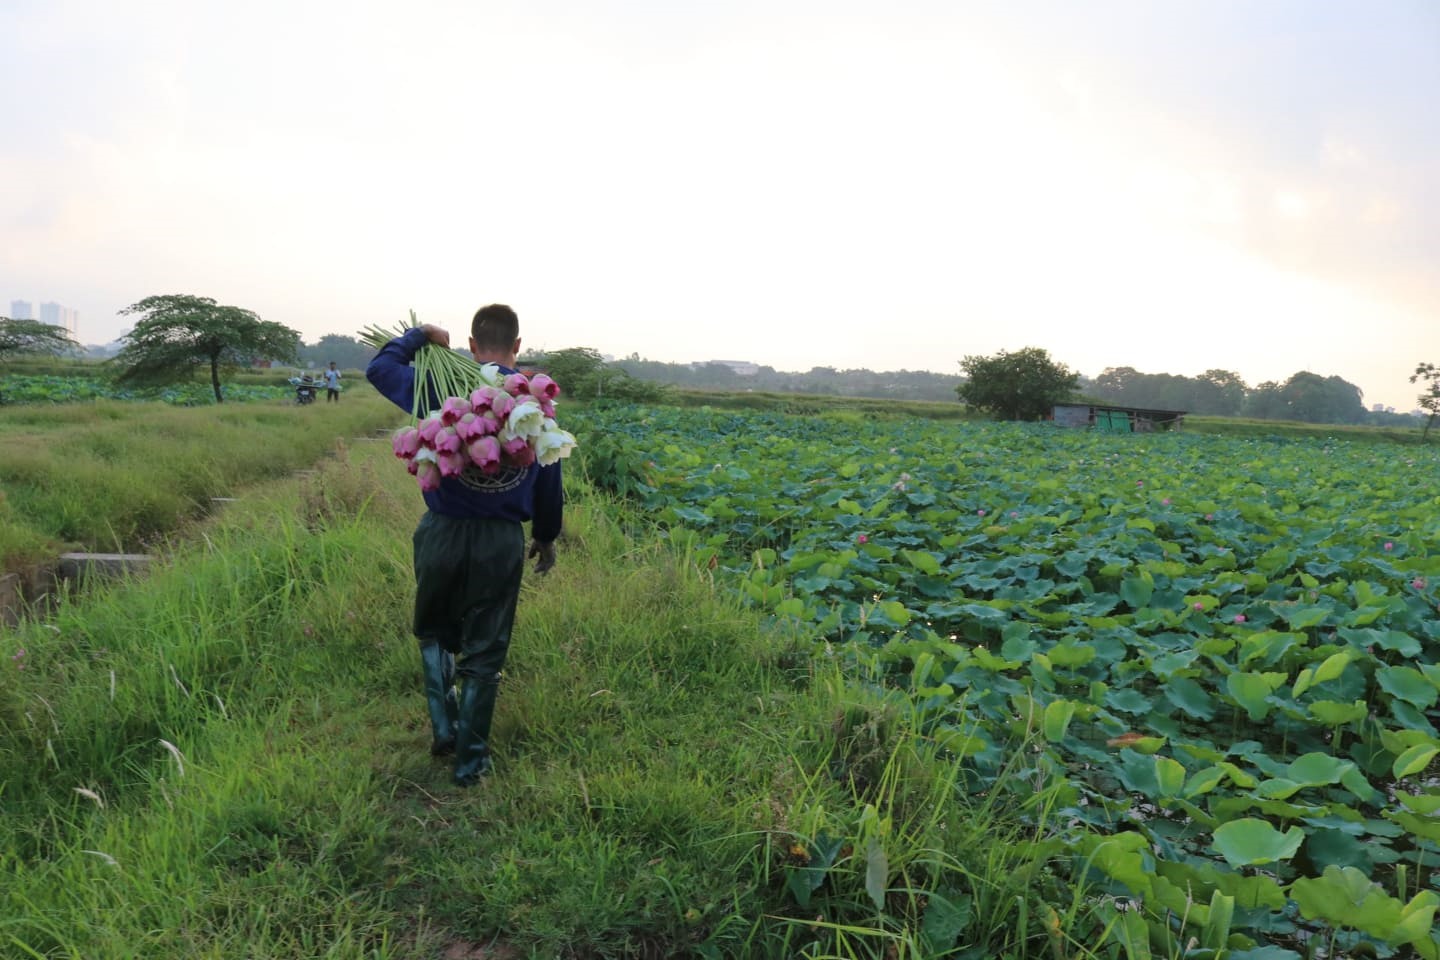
<point x="347" y="352"/>
<point x="1023" y="385"/>
<point x="178" y="332"/>
<point x="1223" y="393"/>
<point x="1429" y="401"/>
<point x="583" y="374"/>
<point x="32" y="336"/>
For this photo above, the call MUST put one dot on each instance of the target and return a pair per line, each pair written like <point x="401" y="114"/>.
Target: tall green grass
<point x="230" y="758"/>
<point x="116" y="476"/>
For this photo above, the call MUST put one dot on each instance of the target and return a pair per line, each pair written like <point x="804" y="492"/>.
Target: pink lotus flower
<point x="428" y="428"/>
<point x="1014" y="513"/>
<point x="1166" y="501"/>
<point x="485" y="454"/>
<point x="1418" y="584"/>
<point x="405" y="442"/>
<point x="862" y="539"/>
<point x="543" y="388"/>
<point x="1209" y="516"/>
<point x="427" y="472"/>
<point x="517" y="385"/>
<point x="453" y="409"/>
<point x="1199" y="605"/>
<point x="452" y="463"/>
<point x="480" y="398"/>
<point x="468" y="427"/>
<point x="1139" y="483"/>
<point x="1239" y="618"/>
<point x="1389" y="545"/>
<point x="501" y="404"/>
<point x="979" y="513"/>
<point x="518" y="452"/>
<point x="447" y="441"/>
<point x="547" y="408"/>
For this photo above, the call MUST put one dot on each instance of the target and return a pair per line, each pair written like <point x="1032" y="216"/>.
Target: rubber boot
<point x="472" y="732"/>
<point x="438" y="669"/>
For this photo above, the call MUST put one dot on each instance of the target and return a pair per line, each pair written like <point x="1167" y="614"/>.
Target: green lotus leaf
<point x="1249" y="842"/>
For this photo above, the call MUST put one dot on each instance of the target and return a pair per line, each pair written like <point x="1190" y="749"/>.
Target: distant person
<point x="470" y="553"/>
<point x="332" y="383"/>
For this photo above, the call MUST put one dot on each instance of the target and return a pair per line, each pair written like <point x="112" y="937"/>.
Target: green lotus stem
<point x="451" y="374"/>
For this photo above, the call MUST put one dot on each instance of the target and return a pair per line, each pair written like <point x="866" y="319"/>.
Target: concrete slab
<point x="81" y="566"/>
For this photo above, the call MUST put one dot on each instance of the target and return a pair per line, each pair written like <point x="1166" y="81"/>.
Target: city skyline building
<point x="59" y="315"/>
<point x="21" y="310"/>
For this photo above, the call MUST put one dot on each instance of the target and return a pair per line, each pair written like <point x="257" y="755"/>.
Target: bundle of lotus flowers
<point x="487" y="421"/>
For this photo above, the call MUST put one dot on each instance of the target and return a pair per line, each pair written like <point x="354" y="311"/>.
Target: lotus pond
<point x="1218" y="658"/>
<point x="22" y="388"/>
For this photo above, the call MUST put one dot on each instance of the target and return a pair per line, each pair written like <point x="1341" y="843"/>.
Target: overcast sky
<point x="1172" y="186"/>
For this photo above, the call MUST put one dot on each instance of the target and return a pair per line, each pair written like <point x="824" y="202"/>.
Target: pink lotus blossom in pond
<point x="1166" y="501"/>
<point x="1389" y="545"/>
<point x="862" y="539"/>
<point x="1014" y="513"/>
<point x="1139" y="483"/>
<point x="1209" y="516"/>
<point x="1199" y="605"/>
<point x="1239" y="618"/>
<point x="1418" y="584"/>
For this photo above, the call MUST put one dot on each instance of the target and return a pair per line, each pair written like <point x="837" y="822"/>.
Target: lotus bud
<point x="543" y="388"/>
<point x="453" y="409"/>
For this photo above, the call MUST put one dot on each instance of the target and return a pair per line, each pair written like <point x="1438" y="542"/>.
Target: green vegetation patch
<point x="1223" y="655"/>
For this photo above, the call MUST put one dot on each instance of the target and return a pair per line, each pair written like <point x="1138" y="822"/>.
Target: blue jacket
<point x="513" y="494"/>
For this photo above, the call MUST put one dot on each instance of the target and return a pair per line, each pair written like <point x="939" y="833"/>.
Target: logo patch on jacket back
<point x="507" y="479"/>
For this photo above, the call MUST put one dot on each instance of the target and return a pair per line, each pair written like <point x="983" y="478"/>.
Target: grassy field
<point x="229" y="759"/>
<point x="117" y="477"/>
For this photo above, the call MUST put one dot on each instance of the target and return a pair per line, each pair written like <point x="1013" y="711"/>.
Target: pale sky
<point x="1174" y="186"/>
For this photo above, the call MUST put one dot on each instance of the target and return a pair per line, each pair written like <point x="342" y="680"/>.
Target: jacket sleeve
<point x="390" y="371"/>
<point x="549" y="504"/>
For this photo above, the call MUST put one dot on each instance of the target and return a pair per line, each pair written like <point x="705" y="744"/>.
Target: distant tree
<point x="31" y="336"/>
<point x="1023" y="385"/>
<point x="347" y="352"/>
<point x="1224" y="393"/>
<point x="583" y="374"/>
<point x="1429" y="401"/>
<point x="1265" y="402"/>
<point x="177" y="333"/>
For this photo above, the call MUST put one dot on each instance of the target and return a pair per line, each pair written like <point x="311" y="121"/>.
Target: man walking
<point x="332" y="383"/>
<point x="470" y="553"/>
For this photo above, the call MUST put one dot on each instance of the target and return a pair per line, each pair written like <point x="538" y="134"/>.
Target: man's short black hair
<point x="495" y="327"/>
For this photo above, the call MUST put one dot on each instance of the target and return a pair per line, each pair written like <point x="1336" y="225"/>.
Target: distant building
<point x="1377" y="408"/>
<point x="60" y="316"/>
<point x="21" y="310"/>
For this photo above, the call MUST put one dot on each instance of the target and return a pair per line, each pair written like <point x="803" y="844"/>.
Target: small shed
<point x="1109" y="419"/>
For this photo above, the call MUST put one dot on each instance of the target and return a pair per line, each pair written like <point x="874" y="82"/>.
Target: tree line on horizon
<point x="208" y="335"/>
